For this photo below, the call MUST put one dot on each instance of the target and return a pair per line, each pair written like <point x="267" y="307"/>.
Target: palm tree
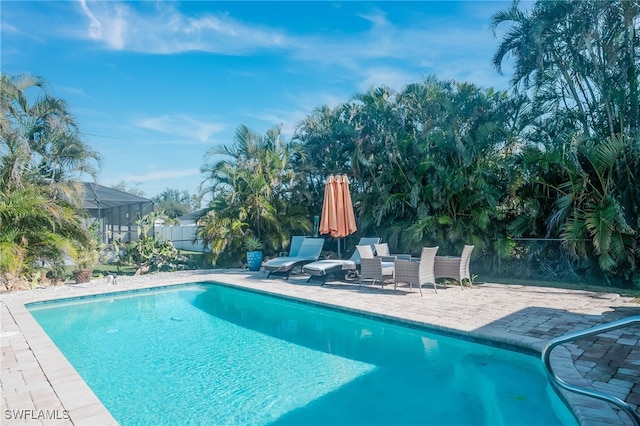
<point x="580" y="57"/>
<point x="464" y="171"/>
<point x="588" y="212"/>
<point x="40" y="154"/>
<point x="254" y="182"/>
<point x="539" y="42"/>
<point x="223" y="235"/>
<point x="427" y="163"/>
<point x="325" y="142"/>
<point x="34" y="228"/>
<point x="578" y="62"/>
<point x="39" y="141"/>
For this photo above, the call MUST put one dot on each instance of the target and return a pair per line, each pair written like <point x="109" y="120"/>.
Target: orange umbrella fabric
<point x="338" y="218"/>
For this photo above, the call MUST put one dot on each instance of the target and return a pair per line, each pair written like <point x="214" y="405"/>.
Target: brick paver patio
<point x="40" y="387"/>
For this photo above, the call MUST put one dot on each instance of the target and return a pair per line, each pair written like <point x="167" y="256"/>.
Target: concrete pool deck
<point x="39" y="386"/>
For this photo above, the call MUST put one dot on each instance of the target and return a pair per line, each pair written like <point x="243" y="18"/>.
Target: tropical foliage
<point x="40" y="155"/>
<point x="577" y="63"/>
<point x="147" y="253"/>
<point x="427" y="163"/>
<point x="541" y="179"/>
<point x="36" y="228"/>
<point x="255" y="192"/>
<point x="176" y="203"/>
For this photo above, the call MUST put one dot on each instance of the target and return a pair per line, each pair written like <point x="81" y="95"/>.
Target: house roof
<point x="97" y="197"/>
<point x="193" y="216"/>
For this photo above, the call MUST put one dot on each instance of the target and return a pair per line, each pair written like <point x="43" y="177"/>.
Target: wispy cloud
<point x="73" y="90"/>
<point x="395" y="78"/>
<point x="8" y="27"/>
<point x="159" y="175"/>
<point x="287" y="120"/>
<point x="188" y="128"/>
<point x="315" y="99"/>
<point x="385" y="52"/>
<point x="484" y="76"/>
<point x="165" y="30"/>
<point x="109" y="24"/>
<point x="397" y="55"/>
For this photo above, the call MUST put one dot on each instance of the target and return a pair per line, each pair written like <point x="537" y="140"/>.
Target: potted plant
<point x="84" y="269"/>
<point x="254" y="253"/>
<point x="86" y="256"/>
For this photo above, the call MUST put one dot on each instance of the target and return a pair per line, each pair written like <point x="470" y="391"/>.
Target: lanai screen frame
<point x="115" y="211"/>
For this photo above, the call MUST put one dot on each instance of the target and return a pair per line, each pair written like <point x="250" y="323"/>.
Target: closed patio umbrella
<point x="338" y="218"/>
<point x="329" y="218"/>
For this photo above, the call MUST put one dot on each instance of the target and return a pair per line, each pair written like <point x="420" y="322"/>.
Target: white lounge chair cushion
<point x="326" y="265"/>
<point x="281" y="262"/>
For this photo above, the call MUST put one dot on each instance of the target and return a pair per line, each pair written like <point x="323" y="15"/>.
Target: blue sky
<point x="155" y="85"/>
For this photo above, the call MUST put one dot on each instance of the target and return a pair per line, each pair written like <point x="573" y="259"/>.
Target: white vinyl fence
<point x="182" y="236"/>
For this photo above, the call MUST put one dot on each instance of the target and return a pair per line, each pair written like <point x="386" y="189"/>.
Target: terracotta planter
<point x="82" y="275"/>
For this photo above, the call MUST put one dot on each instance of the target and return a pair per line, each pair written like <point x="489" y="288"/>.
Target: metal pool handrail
<point x="553" y="377"/>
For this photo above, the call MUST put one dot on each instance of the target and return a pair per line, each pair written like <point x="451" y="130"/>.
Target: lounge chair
<point x="417" y="273"/>
<point x="374" y="268"/>
<point x="454" y="267"/>
<point x="323" y="269"/>
<point x="309" y="251"/>
<point x="294" y="246"/>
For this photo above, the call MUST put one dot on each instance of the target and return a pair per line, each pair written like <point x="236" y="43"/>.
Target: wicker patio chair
<point x="373" y="268"/>
<point x="417" y="273"/>
<point x="382" y="251"/>
<point x="454" y="267"/>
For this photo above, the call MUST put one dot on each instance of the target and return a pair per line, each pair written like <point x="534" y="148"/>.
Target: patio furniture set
<point x="372" y="262"/>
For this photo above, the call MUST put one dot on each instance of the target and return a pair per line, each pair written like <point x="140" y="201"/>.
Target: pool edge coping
<point x="88" y="409"/>
<point x="72" y="391"/>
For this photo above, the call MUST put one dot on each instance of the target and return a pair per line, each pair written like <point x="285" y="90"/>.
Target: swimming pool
<point x="211" y="354"/>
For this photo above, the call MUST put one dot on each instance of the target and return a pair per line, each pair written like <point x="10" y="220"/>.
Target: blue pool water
<point x="211" y="354"/>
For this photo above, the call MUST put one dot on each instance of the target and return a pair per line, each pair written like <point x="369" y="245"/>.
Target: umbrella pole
<point x="339" y="256"/>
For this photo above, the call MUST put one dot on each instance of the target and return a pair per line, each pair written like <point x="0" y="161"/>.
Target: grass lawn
<point x="106" y="269"/>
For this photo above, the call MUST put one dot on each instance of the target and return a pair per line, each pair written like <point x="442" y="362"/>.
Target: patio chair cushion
<point x="326" y="267"/>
